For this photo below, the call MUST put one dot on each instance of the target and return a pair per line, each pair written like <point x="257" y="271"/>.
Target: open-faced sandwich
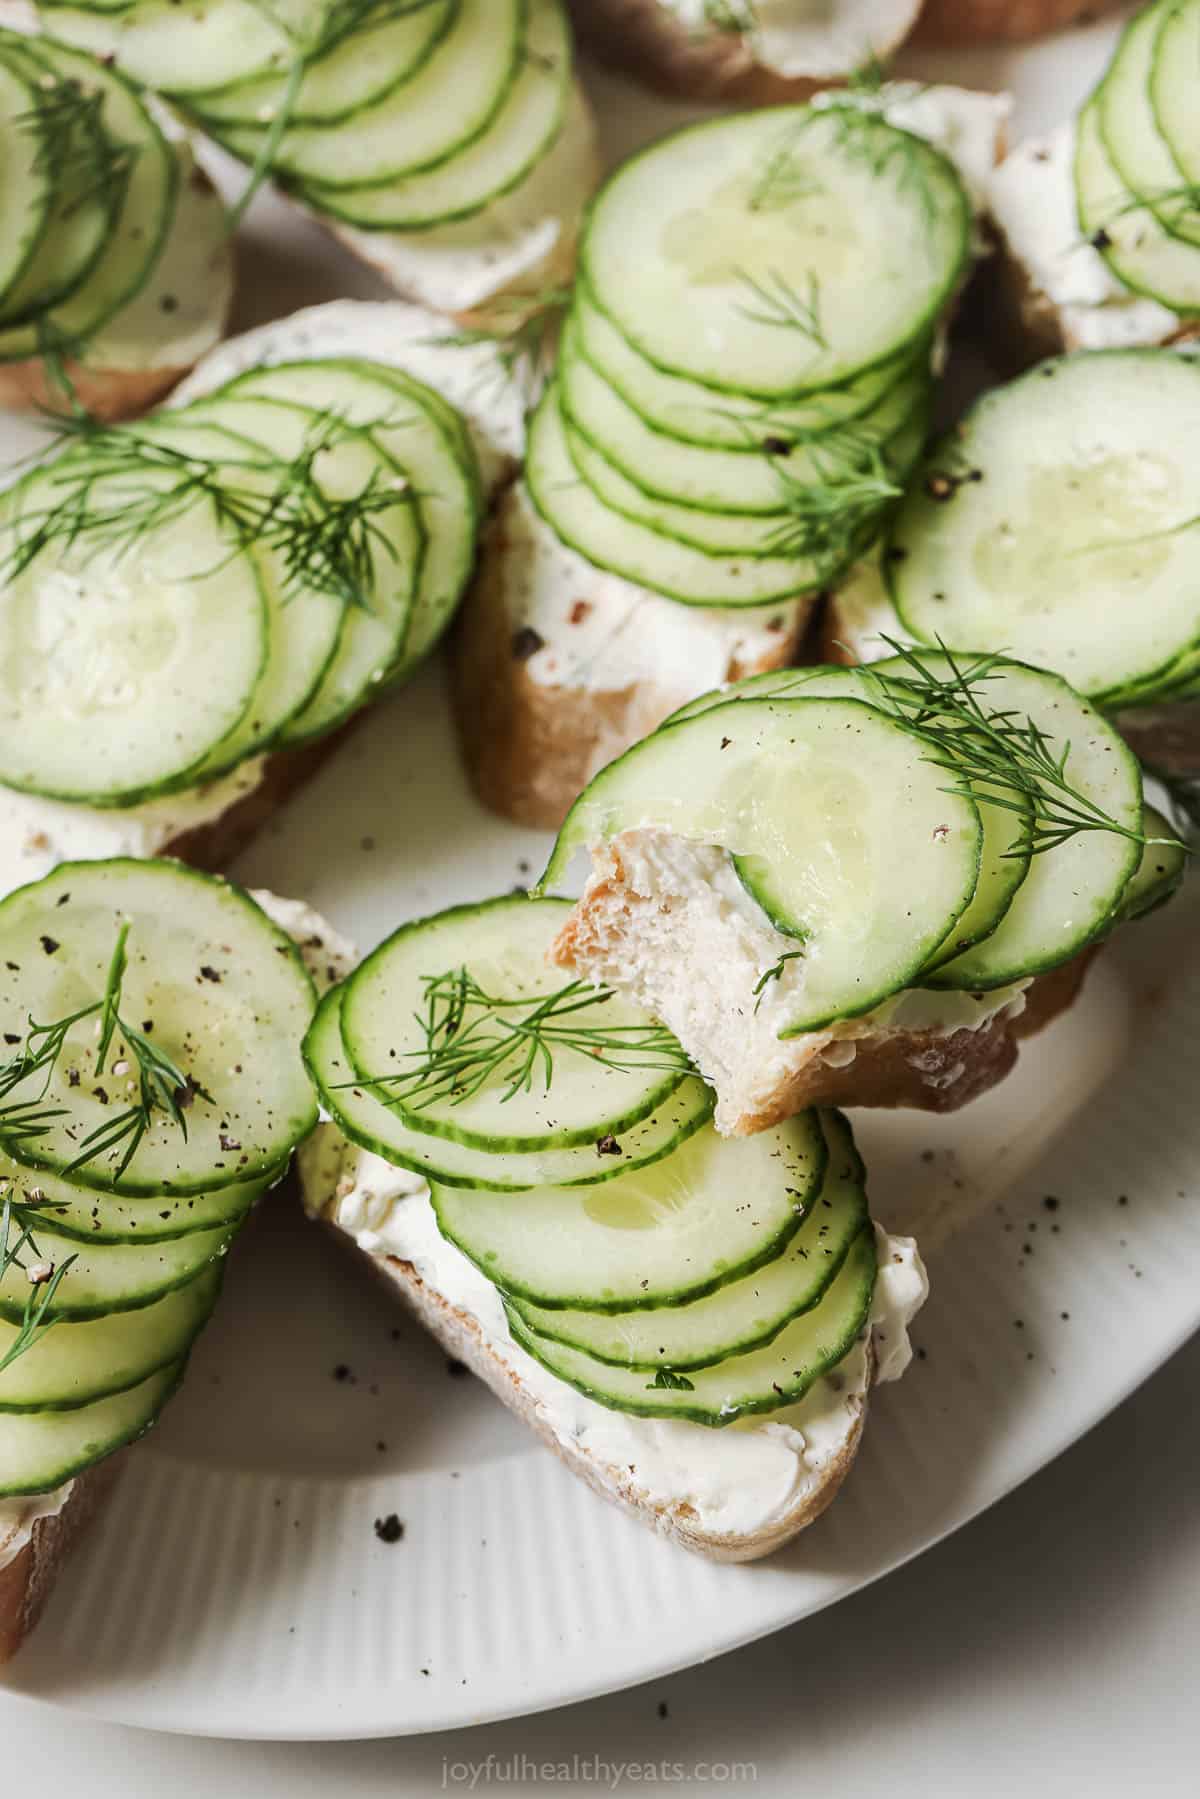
<point x="446" y="142"/>
<point x="1056" y="521"/>
<point x="1098" y="220"/>
<point x="692" y="1323"/>
<point x="152" y="1091"/>
<point x="743" y="385"/>
<point x="116" y="268"/>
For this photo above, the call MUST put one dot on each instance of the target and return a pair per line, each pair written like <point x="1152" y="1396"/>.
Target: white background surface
<point x="1049" y="1649"/>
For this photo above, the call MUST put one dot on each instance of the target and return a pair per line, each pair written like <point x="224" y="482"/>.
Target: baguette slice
<point x="797" y="49"/>
<point x="733" y="1495"/>
<point x="965" y="22"/>
<point x="665" y="921"/>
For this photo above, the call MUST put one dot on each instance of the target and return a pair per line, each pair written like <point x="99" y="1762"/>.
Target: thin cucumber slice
<point x="450" y="102"/>
<point x="1073" y="891"/>
<point x="1004" y="858"/>
<point x="93" y="1216"/>
<point x="428" y="440"/>
<point x="1141" y="253"/>
<point x="354" y="73"/>
<point x="623" y="546"/>
<point x="25" y="191"/>
<point x="573" y="1098"/>
<point x="718" y="480"/>
<point x="498" y="161"/>
<point x="380" y="1129"/>
<point x="140" y="228"/>
<point x="77" y="1364"/>
<point x="220" y="989"/>
<point x="778" y="252"/>
<point x="120" y="671"/>
<point x="110" y="1277"/>
<point x="717" y="1209"/>
<point x="40" y="1451"/>
<point x="700" y="415"/>
<point x="1160" y="872"/>
<point x="744" y="1314"/>
<point x="180" y="49"/>
<point x="1173" y="85"/>
<point x="1059" y="498"/>
<point x="1140" y="154"/>
<point x="762" y="1380"/>
<point x="840" y="827"/>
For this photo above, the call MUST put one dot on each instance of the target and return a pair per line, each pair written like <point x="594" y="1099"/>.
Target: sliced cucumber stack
<point x="153" y="1092"/>
<point x="745" y="372"/>
<point x="237" y="576"/>
<point x="1055" y="524"/>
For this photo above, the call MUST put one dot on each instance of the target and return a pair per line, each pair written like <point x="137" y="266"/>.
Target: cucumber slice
<point x="111" y="1277"/>
<point x="180" y="50"/>
<point x="1173" y="86"/>
<point x="120" y="672"/>
<point x="40" y="1451"/>
<point x="698" y="415"/>
<point x="763" y="1380"/>
<point x="717" y="480"/>
<point x="354" y="73"/>
<point x="25" y="191"/>
<point x="1160" y="872"/>
<point x="778" y="252"/>
<point x="93" y="1216"/>
<point x="1087" y="478"/>
<point x="624" y="547"/>
<point x="839" y="825"/>
<point x="77" y="1364"/>
<point x="571" y="1098"/>
<point x="1140" y="154"/>
<point x="1073" y="892"/>
<point x="744" y="1314"/>
<point x="225" y="991"/>
<point x="380" y="1130"/>
<point x="450" y="102"/>
<point x="1141" y="253"/>
<point x="1004" y="858"/>
<point x="139" y="230"/>
<point x="498" y="161"/>
<point x="717" y="1209"/>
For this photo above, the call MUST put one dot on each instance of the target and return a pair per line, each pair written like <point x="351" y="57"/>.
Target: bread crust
<point x="27" y="1581"/>
<point x="459" y="1334"/>
<point x="961" y="22"/>
<point x="213" y="845"/>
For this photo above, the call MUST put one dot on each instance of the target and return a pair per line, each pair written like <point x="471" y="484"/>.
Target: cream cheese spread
<point x="817" y="38"/>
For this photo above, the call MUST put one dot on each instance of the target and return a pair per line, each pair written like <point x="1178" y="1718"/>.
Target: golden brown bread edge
<point x="960" y="23"/>
<point x="27" y="1581"/>
<point x="648" y="42"/>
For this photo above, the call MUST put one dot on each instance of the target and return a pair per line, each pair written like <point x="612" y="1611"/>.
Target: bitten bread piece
<point x="787" y="50"/>
<point x="731" y="1495"/>
<point x="666" y="921"/>
<point x="558" y="666"/>
<point x="35" y="1541"/>
<point x="964" y="22"/>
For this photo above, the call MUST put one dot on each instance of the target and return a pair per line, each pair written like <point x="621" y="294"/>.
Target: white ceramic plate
<point x="238" y="1587"/>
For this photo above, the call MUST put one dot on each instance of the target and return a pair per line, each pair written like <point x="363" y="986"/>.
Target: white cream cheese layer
<point x="599" y="632"/>
<point x="18" y="1517"/>
<point x="1032" y="200"/>
<point x="508" y="247"/>
<point x="817" y="38"/>
<point x="741" y="1479"/>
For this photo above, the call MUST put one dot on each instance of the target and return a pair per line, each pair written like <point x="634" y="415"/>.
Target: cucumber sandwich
<point x="116" y="271"/>
<point x="1099" y="219"/>
<point x="743" y="383"/>
<point x="861" y="886"/>
<point x="1056" y="523"/>
<point x="692" y="1323"/>
<point x="151" y="1093"/>
<point x="446" y="142"/>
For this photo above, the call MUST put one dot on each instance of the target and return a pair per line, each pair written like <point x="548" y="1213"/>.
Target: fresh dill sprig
<point x="34" y="1323"/>
<point x="777" y="302"/>
<point x="523" y="336"/>
<point x="72" y="146"/>
<point x="826" y="517"/>
<point x="737" y="16"/>
<point x="999" y="757"/>
<point x="473" y="1039"/>
<point x="666" y="1380"/>
<point x="161" y="1085"/>
<point x="774" y="973"/>
<point x="862" y="135"/>
<point x="129" y="483"/>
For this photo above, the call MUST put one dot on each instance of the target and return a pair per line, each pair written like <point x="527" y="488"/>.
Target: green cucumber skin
<point x="164" y="1220"/>
<point x="64" y="1312"/>
<point x="861" y="1260"/>
<point x="1134" y="278"/>
<point x="168" y="1382"/>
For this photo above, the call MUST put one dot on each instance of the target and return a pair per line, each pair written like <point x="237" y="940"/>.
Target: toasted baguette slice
<point x="35" y="1546"/>
<point x="558" y="666"/>
<point x="732" y="1495"/>
<point x="666" y="921"/>
<point x="796" y="50"/>
<point x="965" y="22"/>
